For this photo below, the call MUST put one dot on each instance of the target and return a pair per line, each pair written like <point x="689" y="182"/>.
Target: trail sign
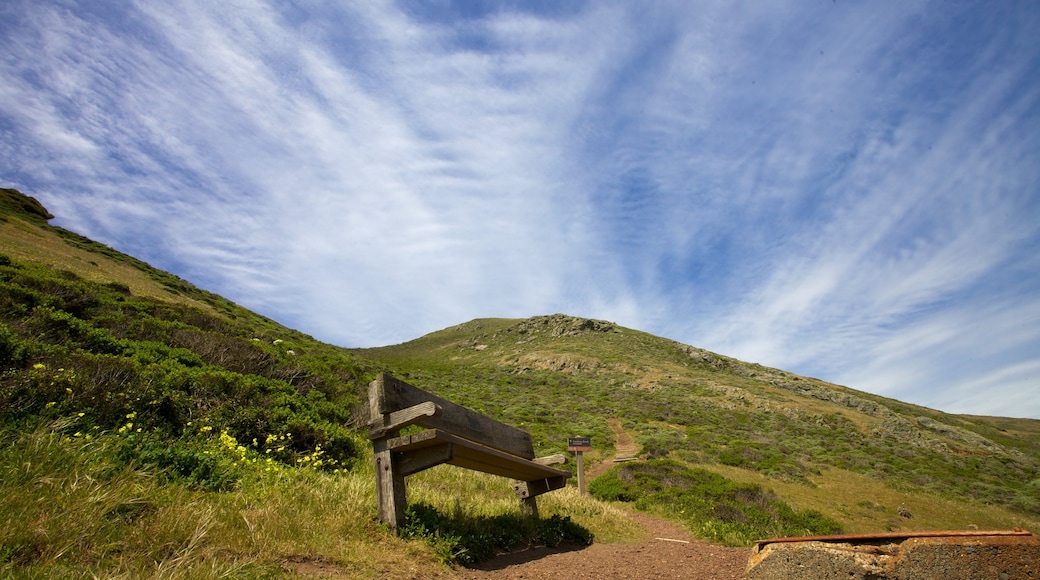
<point x="579" y="444"/>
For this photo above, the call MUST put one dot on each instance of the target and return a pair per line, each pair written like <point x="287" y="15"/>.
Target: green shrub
<point x="712" y="506"/>
<point x="61" y="327"/>
<point x="12" y="348"/>
<point x="556" y="530"/>
<point x="466" y="540"/>
<point x="74" y="348"/>
<point x="612" y="489"/>
<point x="187" y="462"/>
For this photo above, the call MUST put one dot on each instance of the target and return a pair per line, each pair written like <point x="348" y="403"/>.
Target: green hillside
<point x="149" y="428"/>
<point x="152" y="428"/>
<point x="560" y="376"/>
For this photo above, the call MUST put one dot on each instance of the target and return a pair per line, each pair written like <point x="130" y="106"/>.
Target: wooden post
<point x="581" y="473"/>
<point x="529" y="506"/>
<point x="390" y="490"/>
<point x="579" y="445"/>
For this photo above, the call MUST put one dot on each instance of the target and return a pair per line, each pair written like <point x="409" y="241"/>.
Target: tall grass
<point x="864" y="504"/>
<point x="67" y="510"/>
<point x="455" y="490"/>
<point x="70" y="509"/>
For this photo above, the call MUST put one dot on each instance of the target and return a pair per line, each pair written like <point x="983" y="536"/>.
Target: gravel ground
<point x="670" y="552"/>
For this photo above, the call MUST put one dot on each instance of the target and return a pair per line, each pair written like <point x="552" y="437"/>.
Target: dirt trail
<point x="625" y="448"/>
<point x="669" y="552"/>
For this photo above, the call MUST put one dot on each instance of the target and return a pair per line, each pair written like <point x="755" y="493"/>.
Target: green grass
<point x="71" y="347"/>
<point x="866" y="504"/>
<point x="560" y="376"/>
<point x="713" y="507"/>
<point x="68" y="509"/>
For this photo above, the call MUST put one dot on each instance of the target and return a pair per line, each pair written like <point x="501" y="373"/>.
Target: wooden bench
<point x="454" y="435"/>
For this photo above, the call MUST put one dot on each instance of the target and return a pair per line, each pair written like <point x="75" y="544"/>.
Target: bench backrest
<point x="391" y="395"/>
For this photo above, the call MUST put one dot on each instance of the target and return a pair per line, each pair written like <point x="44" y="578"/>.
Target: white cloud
<point x="1008" y="391"/>
<point x="826" y="189"/>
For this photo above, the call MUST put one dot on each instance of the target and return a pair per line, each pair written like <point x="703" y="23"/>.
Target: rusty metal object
<point x="896" y="536"/>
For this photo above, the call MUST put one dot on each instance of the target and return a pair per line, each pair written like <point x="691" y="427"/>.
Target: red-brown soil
<point x="670" y="552"/>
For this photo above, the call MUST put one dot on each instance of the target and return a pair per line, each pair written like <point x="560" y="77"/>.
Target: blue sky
<point x="846" y="190"/>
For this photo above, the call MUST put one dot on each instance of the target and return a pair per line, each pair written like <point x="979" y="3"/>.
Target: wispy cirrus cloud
<point x="837" y="190"/>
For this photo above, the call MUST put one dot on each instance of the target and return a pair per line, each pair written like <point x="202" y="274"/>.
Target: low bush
<point x="463" y="539"/>
<point x="712" y="506"/>
<point x="87" y="351"/>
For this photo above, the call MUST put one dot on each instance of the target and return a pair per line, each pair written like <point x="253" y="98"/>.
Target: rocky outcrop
<point x="920" y="432"/>
<point x="961" y="435"/>
<point x="556" y="362"/>
<point x="557" y="325"/>
<point x="921" y="558"/>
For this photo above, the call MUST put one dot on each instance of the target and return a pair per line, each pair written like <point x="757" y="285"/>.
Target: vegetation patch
<point x="712" y="506"/>
<point x="170" y="374"/>
<point x="462" y="539"/>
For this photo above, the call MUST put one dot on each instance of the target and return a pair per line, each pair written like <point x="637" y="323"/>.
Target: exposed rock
<point x="892" y="425"/>
<point x="925" y="558"/>
<point x="959" y="434"/>
<point x="558" y="325"/>
<point x="555" y="362"/>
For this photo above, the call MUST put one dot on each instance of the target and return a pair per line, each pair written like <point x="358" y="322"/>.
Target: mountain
<point x="145" y="421"/>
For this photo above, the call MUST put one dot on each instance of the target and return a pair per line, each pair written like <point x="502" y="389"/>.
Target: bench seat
<point x="471" y="455"/>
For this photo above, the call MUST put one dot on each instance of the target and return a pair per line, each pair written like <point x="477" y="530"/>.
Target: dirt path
<point x="625" y="448"/>
<point x="670" y="552"/>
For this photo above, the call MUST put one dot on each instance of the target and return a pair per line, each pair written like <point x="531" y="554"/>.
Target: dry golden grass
<point x="24" y="241"/>
<point x="867" y="505"/>
<point x="451" y="489"/>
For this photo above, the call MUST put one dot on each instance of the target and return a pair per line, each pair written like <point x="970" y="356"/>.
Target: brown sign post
<point x="579" y="445"/>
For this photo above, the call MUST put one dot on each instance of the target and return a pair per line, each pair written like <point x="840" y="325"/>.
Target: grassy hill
<point x="856" y="457"/>
<point x="151" y="428"/>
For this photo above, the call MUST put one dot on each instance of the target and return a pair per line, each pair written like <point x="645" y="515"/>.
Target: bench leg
<point x="529" y="506"/>
<point x="390" y="489"/>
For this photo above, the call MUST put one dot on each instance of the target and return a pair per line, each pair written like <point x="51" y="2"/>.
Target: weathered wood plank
<point x="393" y="394"/>
<point x="421" y="459"/>
<point x="558" y="459"/>
<point x="381" y="425"/>
<point x="390" y="489"/>
<point x="526" y="489"/>
<point x="472" y="455"/>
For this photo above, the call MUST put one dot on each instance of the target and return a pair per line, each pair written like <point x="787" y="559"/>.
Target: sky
<point x="844" y="190"/>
